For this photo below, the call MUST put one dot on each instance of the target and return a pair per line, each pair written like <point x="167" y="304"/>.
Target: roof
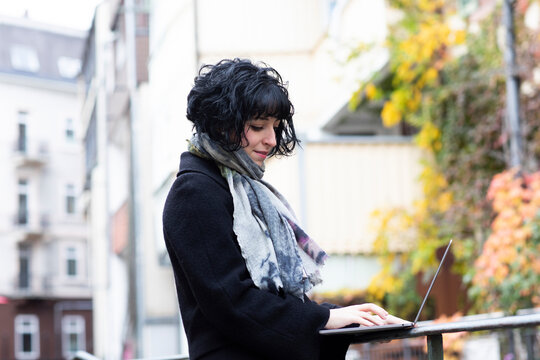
<point x="365" y="119"/>
<point x="31" y="49"/>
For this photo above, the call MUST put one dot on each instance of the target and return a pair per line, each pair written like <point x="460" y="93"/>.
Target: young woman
<point x="242" y="263"/>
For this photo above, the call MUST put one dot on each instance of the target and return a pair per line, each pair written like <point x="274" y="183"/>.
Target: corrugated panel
<point x="343" y="185"/>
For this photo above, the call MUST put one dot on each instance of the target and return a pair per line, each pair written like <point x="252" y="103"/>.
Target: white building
<point x="133" y="290"/>
<point x="43" y="239"/>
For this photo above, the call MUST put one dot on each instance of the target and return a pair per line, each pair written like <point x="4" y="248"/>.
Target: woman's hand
<point x="365" y="315"/>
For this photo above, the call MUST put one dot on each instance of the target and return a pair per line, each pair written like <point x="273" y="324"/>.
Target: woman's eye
<point x="256" y="128"/>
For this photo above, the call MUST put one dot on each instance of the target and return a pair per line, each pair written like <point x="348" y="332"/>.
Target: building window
<point x="24" y="58"/>
<point x="26" y="337"/>
<point x="69" y="67"/>
<point x="22" y="213"/>
<point x="21" y="139"/>
<point x="24" y="267"/>
<point x="71" y="262"/>
<point x="70" y="199"/>
<point x="70" y="132"/>
<point x="73" y="335"/>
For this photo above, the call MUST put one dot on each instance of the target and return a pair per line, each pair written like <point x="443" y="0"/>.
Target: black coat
<point x="225" y="315"/>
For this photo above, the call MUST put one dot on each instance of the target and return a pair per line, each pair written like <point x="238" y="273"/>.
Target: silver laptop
<point x="376" y="328"/>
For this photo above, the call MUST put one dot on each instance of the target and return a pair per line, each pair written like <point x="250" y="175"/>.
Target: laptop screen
<point x="432" y="282"/>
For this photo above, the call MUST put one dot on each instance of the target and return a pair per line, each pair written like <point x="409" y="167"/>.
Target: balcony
<point x="41" y="283"/>
<point x="31" y="226"/>
<point x="30" y="285"/>
<point x="30" y="154"/>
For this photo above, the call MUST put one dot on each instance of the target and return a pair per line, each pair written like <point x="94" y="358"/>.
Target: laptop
<point x="377" y="328"/>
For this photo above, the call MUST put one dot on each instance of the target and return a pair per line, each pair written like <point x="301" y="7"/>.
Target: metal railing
<point x="83" y="355"/>
<point x="432" y="331"/>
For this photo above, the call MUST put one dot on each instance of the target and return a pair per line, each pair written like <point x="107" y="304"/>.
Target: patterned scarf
<point x="279" y="255"/>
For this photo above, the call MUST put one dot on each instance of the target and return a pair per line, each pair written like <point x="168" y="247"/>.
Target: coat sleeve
<point x="198" y="227"/>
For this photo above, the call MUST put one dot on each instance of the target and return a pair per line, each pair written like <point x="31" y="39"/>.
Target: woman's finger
<point x="368" y="319"/>
<point x="391" y="319"/>
<point x="374" y="309"/>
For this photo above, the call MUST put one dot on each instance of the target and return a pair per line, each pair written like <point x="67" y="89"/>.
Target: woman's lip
<point x="262" y="153"/>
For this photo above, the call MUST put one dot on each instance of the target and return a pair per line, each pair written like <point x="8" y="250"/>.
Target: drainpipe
<point x="135" y="191"/>
<point x="512" y="86"/>
<point x="196" y="35"/>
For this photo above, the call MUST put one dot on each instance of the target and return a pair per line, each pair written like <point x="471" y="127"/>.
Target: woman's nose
<point x="270" y="138"/>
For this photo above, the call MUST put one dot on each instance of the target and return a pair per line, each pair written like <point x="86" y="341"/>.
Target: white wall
<point x="172" y="68"/>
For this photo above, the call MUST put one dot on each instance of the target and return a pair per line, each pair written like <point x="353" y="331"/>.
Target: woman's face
<point x="260" y="138"/>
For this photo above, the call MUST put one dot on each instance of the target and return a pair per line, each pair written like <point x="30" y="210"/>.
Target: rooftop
<point x="36" y="50"/>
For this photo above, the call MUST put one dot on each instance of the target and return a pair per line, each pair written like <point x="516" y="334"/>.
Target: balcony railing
<point x="31" y="153"/>
<point x="28" y="284"/>
<point x="31" y="224"/>
<point x="433" y="332"/>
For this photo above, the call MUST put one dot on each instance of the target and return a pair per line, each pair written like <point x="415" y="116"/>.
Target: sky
<point x="74" y="14"/>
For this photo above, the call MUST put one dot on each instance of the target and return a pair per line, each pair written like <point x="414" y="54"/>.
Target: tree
<point x="450" y="84"/>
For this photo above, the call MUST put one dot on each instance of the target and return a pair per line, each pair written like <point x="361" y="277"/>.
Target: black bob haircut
<point x="232" y="92"/>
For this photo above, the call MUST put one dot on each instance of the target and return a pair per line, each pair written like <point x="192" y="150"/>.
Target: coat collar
<point x="192" y="163"/>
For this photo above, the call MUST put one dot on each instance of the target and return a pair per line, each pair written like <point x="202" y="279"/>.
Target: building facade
<point x="45" y="282"/>
<point x="135" y="313"/>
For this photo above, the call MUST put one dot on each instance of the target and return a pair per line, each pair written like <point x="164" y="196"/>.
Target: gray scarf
<point x="279" y="255"/>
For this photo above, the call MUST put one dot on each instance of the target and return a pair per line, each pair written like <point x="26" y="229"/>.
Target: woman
<point x="242" y="264"/>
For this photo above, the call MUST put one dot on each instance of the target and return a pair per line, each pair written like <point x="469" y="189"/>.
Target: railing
<point x="433" y="332"/>
<point x="83" y="355"/>
<point x="31" y="223"/>
<point x="29" y="153"/>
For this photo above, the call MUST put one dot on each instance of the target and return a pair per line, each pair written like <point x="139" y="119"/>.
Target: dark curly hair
<point x="228" y="94"/>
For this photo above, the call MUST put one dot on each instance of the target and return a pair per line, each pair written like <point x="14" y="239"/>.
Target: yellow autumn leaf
<point x="426" y="5"/>
<point x="405" y="72"/>
<point x="459" y="37"/>
<point x="414" y="102"/>
<point x="444" y="201"/>
<point x="431" y="75"/>
<point x="371" y="91"/>
<point x="390" y="114"/>
<point x="428" y="136"/>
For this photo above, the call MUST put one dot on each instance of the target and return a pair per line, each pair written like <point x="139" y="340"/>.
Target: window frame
<point x="78" y="323"/>
<point x="72" y="256"/>
<point x="68" y="67"/>
<point x="20" y="330"/>
<point x="24" y="58"/>
<point x="22" y="202"/>
<point x="70" y="200"/>
<point x="25" y="257"/>
<point x="22" y="131"/>
<point x="69" y="130"/>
